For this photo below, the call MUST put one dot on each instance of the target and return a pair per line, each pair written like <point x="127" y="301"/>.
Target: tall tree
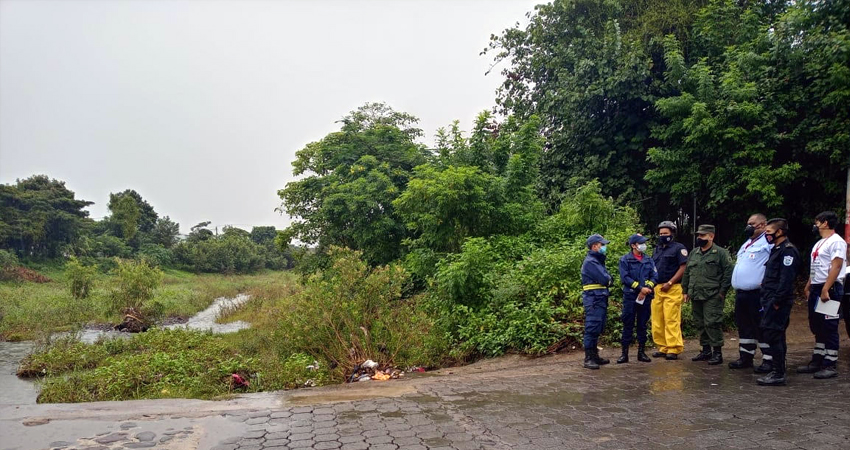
<point x="351" y="178"/>
<point x="39" y="216"/>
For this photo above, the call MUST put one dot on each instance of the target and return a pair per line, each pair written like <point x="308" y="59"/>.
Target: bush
<point x="156" y="255"/>
<point x="523" y="293"/>
<point x="8" y="261"/>
<point x="137" y="281"/>
<point x="230" y="253"/>
<point x="350" y="313"/>
<point x="80" y="278"/>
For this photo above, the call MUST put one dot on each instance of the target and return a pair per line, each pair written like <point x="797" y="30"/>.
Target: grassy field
<point x="33" y="310"/>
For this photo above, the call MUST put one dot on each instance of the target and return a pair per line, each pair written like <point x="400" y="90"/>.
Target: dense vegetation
<point x="613" y="115"/>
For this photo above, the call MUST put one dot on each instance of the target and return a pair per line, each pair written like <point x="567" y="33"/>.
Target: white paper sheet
<point x="829" y="307"/>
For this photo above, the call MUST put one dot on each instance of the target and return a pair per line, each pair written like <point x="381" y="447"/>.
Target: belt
<point x="590" y="287"/>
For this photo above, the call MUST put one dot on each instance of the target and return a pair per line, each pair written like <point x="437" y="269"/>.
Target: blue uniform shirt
<point x="749" y="268"/>
<point x="636" y="274"/>
<point x="668" y="258"/>
<point x="593" y="270"/>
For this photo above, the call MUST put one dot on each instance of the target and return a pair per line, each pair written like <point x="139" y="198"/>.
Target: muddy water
<point x="15" y="391"/>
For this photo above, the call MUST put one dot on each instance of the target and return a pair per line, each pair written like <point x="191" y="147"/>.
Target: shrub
<point x="8" y="261"/>
<point x="350" y="313"/>
<point x="137" y="281"/>
<point x="156" y="255"/>
<point x="80" y="278"/>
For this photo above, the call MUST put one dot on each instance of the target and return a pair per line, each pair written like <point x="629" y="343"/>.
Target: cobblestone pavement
<point x="513" y="403"/>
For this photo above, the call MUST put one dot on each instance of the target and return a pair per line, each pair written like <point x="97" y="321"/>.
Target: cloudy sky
<point x="201" y="105"/>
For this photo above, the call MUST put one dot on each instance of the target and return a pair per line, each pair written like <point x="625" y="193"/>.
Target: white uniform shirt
<point x="822" y="255"/>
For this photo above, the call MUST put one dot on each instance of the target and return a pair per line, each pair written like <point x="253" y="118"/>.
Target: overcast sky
<point x="200" y="105"/>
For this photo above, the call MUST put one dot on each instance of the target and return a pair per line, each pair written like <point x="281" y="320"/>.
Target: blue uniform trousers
<point x="595" y="312"/>
<point x="825" y="329"/>
<point x="632" y="311"/>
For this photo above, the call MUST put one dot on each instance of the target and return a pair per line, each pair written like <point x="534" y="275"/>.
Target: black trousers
<point x="774" y="322"/>
<point x="845" y="311"/>
<point x="747" y="318"/>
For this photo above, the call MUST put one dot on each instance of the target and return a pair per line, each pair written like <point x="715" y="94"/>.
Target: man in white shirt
<point x="746" y="279"/>
<point x="827" y="264"/>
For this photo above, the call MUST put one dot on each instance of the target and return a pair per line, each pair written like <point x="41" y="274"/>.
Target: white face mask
<point x="641" y="248"/>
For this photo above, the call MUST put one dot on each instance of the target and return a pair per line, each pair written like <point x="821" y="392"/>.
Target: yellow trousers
<point x="666" y="310"/>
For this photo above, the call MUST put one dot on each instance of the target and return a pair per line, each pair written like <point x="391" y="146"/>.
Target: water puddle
<point x="24" y="392"/>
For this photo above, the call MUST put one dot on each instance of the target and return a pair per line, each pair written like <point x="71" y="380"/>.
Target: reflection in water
<point x="666" y="377"/>
<point x="205" y="320"/>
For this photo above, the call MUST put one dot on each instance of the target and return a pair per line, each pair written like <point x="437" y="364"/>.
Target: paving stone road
<point x="510" y="403"/>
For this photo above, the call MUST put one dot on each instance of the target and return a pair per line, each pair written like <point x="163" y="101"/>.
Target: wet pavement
<point x="506" y="403"/>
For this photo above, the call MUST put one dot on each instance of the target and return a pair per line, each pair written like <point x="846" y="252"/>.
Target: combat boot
<point x="813" y="366"/>
<point x="642" y="354"/>
<point x="716" y="357"/>
<point x="624" y="358"/>
<point x="826" y="372"/>
<point x="659" y="354"/>
<point x="704" y="355"/>
<point x="589" y="360"/>
<point x="742" y="363"/>
<point x="774" y="378"/>
<point x="765" y="367"/>
<point x="599" y="360"/>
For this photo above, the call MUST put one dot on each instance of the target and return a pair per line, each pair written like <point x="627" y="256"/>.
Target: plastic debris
<point x="380" y="376"/>
<point x="309" y="383"/>
<point x="314" y="366"/>
<point x="369" y="364"/>
<point x="238" y="382"/>
<point x="364" y="378"/>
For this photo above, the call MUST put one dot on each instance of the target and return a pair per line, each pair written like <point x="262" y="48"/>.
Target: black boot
<point x="642" y="354"/>
<point x="813" y="366"/>
<point x="826" y="372"/>
<point x="659" y="354"/>
<point x="589" y="360"/>
<point x="716" y="357"/>
<point x="624" y="358"/>
<point x="774" y="378"/>
<point x="765" y="367"/>
<point x="599" y="360"/>
<point x="744" y="362"/>
<point x="704" y="355"/>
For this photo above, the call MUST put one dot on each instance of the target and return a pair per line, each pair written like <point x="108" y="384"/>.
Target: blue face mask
<point x="603" y="249"/>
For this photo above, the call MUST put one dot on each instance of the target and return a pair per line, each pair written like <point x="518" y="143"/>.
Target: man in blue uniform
<point x="595" y="281"/>
<point x="638" y="275"/>
<point x="746" y="279"/>
<point x="777" y="297"/>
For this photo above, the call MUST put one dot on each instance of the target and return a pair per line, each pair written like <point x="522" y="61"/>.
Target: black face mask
<point x="770" y="237"/>
<point x="815" y="230"/>
<point x="701" y="242"/>
<point x="749" y="231"/>
<point x="664" y="240"/>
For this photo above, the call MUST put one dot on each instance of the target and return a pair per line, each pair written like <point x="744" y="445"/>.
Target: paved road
<point x="509" y="403"/>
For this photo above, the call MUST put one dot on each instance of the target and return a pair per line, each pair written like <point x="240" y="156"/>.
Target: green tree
<point x="39" y="217"/>
<point x="165" y="232"/>
<point x="350" y="179"/>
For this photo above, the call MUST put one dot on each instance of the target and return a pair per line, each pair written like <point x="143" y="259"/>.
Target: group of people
<point x="763" y="277"/>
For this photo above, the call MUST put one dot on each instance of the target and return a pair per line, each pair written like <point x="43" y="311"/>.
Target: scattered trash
<point x="314" y="366"/>
<point x="369" y="364"/>
<point x="415" y="369"/>
<point x="380" y="376"/>
<point x="309" y="383"/>
<point x="714" y="384"/>
<point x="370" y="370"/>
<point x="237" y="381"/>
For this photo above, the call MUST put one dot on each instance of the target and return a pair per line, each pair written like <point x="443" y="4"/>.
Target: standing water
<point x="16" y="391"/>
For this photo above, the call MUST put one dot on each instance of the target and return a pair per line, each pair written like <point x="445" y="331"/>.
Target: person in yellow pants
<point x="666" y="309"/>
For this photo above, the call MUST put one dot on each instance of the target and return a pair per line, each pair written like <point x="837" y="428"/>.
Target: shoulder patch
<point x="684" y="252"/>
<point x="788" y="260"/>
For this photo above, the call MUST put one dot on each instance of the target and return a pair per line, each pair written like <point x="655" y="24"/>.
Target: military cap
<point x="705" y="229"/>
